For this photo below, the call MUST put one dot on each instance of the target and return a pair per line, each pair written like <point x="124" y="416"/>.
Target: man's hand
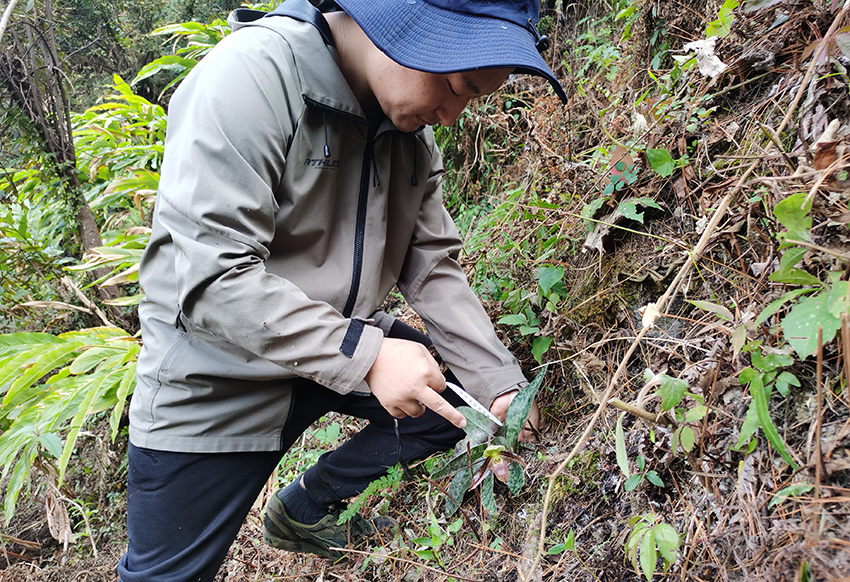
<point x="499" y="408"/>
<point x="406" y="379"/>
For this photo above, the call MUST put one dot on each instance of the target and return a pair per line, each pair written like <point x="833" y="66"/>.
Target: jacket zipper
<point x="360" y="228"/>
<point x="362" y="206"/>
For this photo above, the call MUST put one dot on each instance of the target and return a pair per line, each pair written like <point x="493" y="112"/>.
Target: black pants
<point x="185" y="509"/>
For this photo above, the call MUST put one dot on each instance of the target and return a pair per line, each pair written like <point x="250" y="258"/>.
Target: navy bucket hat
<point x="447" y="36"/>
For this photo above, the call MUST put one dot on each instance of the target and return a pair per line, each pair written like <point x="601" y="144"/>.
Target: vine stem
<point x="7" y="16"/>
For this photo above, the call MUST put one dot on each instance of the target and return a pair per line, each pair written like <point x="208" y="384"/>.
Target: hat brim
<point x="421" y="36"/>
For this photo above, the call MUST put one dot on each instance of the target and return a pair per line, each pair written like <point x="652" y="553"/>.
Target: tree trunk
<point x="32" y="72"/>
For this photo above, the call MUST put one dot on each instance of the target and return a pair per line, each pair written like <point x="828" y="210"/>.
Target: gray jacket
<point x="281" y="225"/>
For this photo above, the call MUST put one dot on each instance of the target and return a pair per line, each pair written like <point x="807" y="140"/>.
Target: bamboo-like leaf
<point x="91" y="358"/>
<point x="11" y="368"/>
<point x="128" y="382"/>
<point x="24" y="340"/>
<point x="91" y="391"/>
<point x="17" y="480"/>
<point x="761" y="400"/>
<point x="46" y="362"/>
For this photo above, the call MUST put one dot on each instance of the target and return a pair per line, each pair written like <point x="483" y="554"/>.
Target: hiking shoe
<point x="282" y="532"/>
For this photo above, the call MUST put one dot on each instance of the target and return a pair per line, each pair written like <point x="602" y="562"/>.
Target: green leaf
<point x="718" y="310"/>
<point x="519" y="408"/>
<point x="777" y="304"/>
<point x="784" y="381"/>
<point x="748" y="428"/>
<point x="667" y="541"/>
<point x="793" y="214"/>
<point x="513" y="319"/>
<point x="528" y="329"/>
<point x="540" y="346"/>
<point x="687" y="438"/>
<point x="696" y="413"/>
<point x="620" y="446"/>
<point x="672" y="390"/>
<point x="590" y="208"/>
<point x="769" y="362"/>
<point x="570" y="541"/>
<point x="790" y="491"/>
<point x="800" y="326"/>
<point x="516" y="478"/>
<point x="761" y="400"/>
<point x="647" y="554"/>
<point x="488" y="500"/>
<point x="628" y="207"/>
<point x="839" y="299"/>
<point x="661" y="161"/>
<point x="457" y="489"/>
<point x="549" y="277"/>
<point x="51" y="443"/>
<point x="653" y="478"/>
<point x="787" y="273"/>
<point x="632" y="482"/>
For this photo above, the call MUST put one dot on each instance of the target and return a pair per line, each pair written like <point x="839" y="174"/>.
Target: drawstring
<point x="178" y="322"/>
<point x="413" y="179"/>
<point x="327" y="147"/>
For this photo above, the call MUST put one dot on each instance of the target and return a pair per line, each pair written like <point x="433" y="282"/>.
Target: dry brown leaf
<point x="825" y="155"/>
<point x="58" y="521"/>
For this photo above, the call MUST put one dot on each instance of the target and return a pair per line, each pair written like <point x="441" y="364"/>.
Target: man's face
<point x="412" y="98"/>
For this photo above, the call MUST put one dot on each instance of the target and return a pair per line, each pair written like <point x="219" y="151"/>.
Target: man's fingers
<point x="438" y="404"/>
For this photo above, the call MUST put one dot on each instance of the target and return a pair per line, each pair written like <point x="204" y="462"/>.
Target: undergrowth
<point x="721" y="450"/>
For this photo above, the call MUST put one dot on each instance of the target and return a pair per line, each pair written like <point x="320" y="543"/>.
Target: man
<point x="301" y="183"/>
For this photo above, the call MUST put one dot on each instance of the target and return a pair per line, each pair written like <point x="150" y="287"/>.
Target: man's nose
<point x="449" y="111"/>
